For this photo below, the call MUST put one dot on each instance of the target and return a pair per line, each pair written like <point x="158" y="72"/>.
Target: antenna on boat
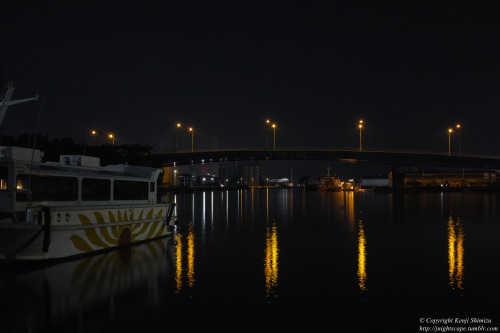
<point x="33" y="151"/>
<point x="7" y="101"/>
<point x="4" y="104"/>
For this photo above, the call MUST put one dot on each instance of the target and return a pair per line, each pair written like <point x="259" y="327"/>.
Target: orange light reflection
<point x="271" y="262"/>
<point x="455" y="253"/>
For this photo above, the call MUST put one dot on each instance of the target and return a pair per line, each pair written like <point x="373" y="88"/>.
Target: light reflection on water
<point x="43" y="299"/>
<point x="271" y="256"/>
<point x="276" y="250"/>
<point x="361" y="257"/>
<point x="186" y="257"/>
<point x="456" y="252"/>
<point x="178" y="263"/>
<point x="190" y="258"/>
<point x="348" y="207"/>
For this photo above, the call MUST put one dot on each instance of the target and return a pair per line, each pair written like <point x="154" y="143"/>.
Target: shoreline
<point x="163" y="190"/>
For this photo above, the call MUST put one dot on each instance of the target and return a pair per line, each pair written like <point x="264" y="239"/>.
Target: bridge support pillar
<point x="397" y="177"/>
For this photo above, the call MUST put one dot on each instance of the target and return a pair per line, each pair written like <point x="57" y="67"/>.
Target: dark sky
<point x="314" y="67"/>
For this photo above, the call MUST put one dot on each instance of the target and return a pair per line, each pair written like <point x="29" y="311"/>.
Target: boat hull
<point x="72" y="231"/>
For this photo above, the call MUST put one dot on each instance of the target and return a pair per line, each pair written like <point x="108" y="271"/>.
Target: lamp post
<point x="274" y="135"/>
<point x="360" y="125"/>
<point x="112" y="137"/>
<point x="449" y="141"/>
<point x="178" y="125"/>
<point x="92" y="133"/>
<point x="192" y="138"/>
<point x="268" y="122"/>
<point x="459" y="139"/>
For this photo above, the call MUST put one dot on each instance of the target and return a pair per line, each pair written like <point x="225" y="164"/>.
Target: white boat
<point x="75" y="206"/>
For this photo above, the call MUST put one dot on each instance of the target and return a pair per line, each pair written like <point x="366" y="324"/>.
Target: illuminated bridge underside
<point x="351" y="156"/>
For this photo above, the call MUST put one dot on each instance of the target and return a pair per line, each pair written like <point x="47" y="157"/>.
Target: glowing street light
<point x="112" y="137"/>
<point x="459" y="127"/>
<point x="192" y="138"/>
<point x="92" y="133"/>
<point x="360" y="125"/>
<point x="450" y="130"/>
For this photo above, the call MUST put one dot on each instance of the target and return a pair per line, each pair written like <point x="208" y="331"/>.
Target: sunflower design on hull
<point x="110" y="235"/>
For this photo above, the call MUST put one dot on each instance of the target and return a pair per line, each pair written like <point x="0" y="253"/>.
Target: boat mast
<point x="6" y="102"/>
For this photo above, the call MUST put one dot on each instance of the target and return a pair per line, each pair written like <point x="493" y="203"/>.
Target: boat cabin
<point x="76" y="180"/>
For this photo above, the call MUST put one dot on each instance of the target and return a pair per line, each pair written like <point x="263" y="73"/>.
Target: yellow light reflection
<point x="190" y="257"/>
<point x="455" y="253"/>
<point x="178" y="264"/>
<point x="362" y="257"/>
<point x="271" y="262"/>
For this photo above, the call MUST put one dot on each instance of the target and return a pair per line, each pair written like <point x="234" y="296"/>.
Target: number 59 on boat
<point x="51" y="210"/>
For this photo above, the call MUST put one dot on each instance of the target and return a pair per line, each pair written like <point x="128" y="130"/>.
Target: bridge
<point x="373" y="156"/>
<point x="401" y="162"/>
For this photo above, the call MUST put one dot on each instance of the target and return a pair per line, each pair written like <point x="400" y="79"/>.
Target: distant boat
<point x="330" y="182"/>
<point x="75" y="206"/>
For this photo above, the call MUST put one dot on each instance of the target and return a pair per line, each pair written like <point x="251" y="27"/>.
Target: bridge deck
<point x="403" y="158"/>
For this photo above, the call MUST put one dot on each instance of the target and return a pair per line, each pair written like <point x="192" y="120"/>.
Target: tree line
<point x="133" y="154"/>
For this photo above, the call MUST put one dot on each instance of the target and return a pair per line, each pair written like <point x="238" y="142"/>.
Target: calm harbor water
<point x="279" y="259"/>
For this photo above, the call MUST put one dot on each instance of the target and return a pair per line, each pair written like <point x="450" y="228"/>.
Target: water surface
<point x="280" y="259"/>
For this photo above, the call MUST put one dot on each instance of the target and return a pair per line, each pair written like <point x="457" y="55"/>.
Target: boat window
<point x="130" y="190"/>
<point x="96" y="189"/>
<point x="47" y="188"/>
<point x="3" y="178"/>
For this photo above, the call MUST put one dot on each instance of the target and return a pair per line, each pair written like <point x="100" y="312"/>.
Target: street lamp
<point x="274" y="134"/>
<point x="112" y="137"/>
<point x="459" y="127"/>
<point x="192" y="138"/>
<point x="360" y="125"/>
<point x="92" y="133"/>
<point x="449" y="141"/>
<point x="268" y="122"/>
<point x="178" y="125"/>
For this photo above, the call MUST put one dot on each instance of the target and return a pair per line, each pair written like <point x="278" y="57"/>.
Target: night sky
<point x="410" y="71"/>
